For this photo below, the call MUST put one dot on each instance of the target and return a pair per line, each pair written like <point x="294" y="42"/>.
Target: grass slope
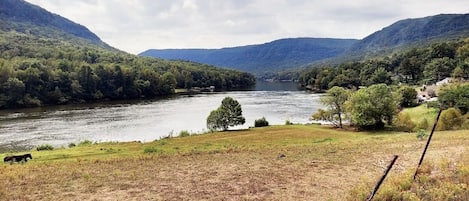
<point x="319" y="164"/>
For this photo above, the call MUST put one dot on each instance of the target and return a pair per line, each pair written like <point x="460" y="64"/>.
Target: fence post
<point x="428" y="143"/>
<point x="382" y="178"/>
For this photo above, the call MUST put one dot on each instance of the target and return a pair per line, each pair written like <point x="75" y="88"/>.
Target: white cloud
<point x="137" y="25"/>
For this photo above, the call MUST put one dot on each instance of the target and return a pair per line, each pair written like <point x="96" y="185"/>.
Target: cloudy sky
<point x="137" y="25"/>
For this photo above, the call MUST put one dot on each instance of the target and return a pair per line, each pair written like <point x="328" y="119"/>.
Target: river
<point x="150" y="119"/>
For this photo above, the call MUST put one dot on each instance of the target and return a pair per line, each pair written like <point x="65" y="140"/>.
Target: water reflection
<point x="145" y="120"/>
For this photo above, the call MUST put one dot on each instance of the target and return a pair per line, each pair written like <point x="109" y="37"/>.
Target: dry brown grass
<point x="320" y="164"/>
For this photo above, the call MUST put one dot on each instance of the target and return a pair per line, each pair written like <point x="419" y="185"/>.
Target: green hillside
<point x="411" y="33"/>
<point x="23" y="17"/>
<point x="46" y="59"/>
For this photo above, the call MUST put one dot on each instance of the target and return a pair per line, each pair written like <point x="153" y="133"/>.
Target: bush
<point x="71" y="145"/>
<point x="261" y="122"/>
<point x="288" y="122"/>
<point x="465" y="124"/>
<point x="404" y="123"/>
<point x="421" y="134"/>
<point x="184" y="133"/>
<point x="450" y="119"/>
<point x="45" y="147"/>
<point x="85" y="142"/>
<point x="423" y="124"/>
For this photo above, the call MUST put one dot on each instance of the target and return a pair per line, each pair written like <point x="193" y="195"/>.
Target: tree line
<point x="37" y="71"/>
<point x="419" y="65"/>
<point x="379" y="105"/>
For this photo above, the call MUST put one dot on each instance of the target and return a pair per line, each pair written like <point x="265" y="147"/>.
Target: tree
<point x="439" y="68"/>
<point x="14" y="90"/>
<point x="380" y="76"/>
<point x="229" y="114"/>
<point x="408" y="96"/>
<point x="369" y="107"/>
<point x="458" y="73"/>
<point x="334" y="99"/>
<point x="456" y="95"/>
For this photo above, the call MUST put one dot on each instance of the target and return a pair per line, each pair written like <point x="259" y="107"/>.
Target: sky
<point x="137" y="25"/>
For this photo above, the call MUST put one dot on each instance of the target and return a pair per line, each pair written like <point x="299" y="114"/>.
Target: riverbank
<point x="297" y="162"/>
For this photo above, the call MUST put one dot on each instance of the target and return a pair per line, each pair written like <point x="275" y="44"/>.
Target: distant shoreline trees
<point x="421" y="65"/>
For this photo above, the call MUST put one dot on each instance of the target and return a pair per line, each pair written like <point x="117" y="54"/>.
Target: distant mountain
<point x="412" y="32"/>
<point x="269" y="57"/>
<point x="23" y="17"/>
<point x="287" y="54"/>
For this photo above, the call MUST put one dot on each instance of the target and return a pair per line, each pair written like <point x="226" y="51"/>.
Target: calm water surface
<point x="148" y="120"/>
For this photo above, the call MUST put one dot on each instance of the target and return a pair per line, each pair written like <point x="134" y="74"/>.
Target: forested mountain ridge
<point x="294" y="53"/>
<point x="40" y="65"/>
<point x="413" y="32"/>
<point x="268" y="57"/>
<point x="24" y="17"/>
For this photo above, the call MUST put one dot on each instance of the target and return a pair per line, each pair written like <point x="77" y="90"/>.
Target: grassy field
<point x="297" y="162"/>
<point x="418" y="114"/>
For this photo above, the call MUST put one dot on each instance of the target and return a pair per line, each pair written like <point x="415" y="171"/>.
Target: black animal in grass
<point x="19" y="159"/>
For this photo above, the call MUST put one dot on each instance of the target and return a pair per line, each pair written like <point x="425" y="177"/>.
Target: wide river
<point x="148" y="120"/>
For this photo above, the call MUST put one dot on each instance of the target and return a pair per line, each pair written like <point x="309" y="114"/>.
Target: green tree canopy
<point x="369" y="107"/>
<point x="334" y="100"/>
<point x="408" y="96"/>
<point x="37" y="71"/>
<point x="229" y="114"/>
<point x="456" y="96"/>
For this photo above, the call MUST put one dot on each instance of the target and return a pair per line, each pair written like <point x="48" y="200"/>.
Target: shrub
<point x="85" y="142"/>
<point x="404" y="123"/>
<point x="71" y="145"/>
<point x="288" y="122"/>
<point x="465" y="125"/>
<point x="421" y="134"/>
<point x="450" y="119"/>
<point x="45" y="147"/>
<point x="184" y="133"/>
<point x="261" y="122"/>
<point x="423" y="124"/>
